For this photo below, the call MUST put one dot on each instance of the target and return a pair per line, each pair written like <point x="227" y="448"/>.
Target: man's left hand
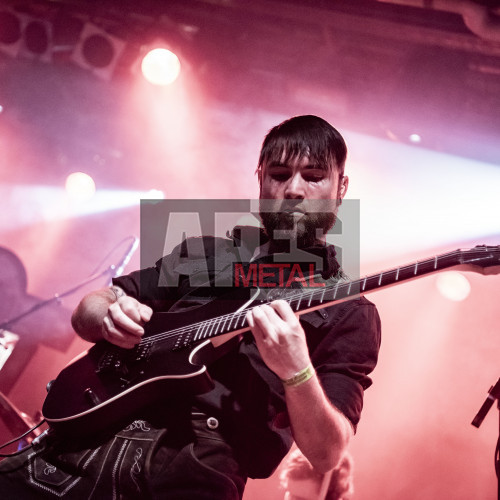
<point x="280" y="338"/>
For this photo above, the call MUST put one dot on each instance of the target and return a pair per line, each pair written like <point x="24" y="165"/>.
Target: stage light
<point x="24" y="35"/>
<point x="160" y="66"/>
<point x="34" y="204"/>
<point x="98" y="51"/>
<point x="420" y="200"/>
<point x="38" y="39"/>
<point x="10" y="33"/>
<point x="453" y="286"/>
<point x="415" y="138"/>
<point x="155" y="194"/>
<point x="80" y="186"/>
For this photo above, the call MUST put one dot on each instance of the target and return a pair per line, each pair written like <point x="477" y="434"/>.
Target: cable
<point x="29" y="431"/>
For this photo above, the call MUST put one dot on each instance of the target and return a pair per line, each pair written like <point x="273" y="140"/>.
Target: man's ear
<point x="344" y="184"/>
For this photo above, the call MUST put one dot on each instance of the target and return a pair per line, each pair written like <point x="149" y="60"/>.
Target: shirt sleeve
<point x="346" y="353"/>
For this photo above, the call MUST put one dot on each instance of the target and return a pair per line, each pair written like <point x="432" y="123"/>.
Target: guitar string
<point x="307" y="294"/>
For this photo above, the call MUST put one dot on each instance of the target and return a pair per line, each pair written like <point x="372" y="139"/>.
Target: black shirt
<point x="248" y="398"/>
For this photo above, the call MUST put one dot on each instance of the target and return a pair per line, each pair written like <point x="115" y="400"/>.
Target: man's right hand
<point x="109" y="314"/>
<point x="123" y="325"/>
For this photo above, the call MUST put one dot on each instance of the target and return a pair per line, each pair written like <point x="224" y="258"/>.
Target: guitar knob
<point x="91" y="396"/>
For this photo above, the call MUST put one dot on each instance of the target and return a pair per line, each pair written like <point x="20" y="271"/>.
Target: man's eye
<point x="281" y="177"/>
<point x="311" y="177"/>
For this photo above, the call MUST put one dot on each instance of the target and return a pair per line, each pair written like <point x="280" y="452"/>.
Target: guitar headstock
<point x="484" y="259"/>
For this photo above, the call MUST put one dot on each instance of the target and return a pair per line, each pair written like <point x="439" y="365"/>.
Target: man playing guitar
<point x="286" y="379"/>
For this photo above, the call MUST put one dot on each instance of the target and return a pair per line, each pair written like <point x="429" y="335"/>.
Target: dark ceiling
<point x="386" y="69"/>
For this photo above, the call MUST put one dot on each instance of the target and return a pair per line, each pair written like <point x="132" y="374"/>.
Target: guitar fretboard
<point x="308" y="299"/>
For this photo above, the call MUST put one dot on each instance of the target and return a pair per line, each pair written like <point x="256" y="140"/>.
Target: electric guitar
<point x="107" y="383"/>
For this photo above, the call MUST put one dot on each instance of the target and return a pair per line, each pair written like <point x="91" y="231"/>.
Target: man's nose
<point x="295" y="188"/>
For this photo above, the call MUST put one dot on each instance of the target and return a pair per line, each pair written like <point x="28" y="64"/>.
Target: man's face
<point x="300" y="198"/>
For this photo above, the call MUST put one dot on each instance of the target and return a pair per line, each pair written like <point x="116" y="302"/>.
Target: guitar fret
<point x="224" y="324"/>
<point x="322" y="294"/>
<point x="206" y="330"/>
<point x="397" y="274"/>
<point x="217" y="323"/>
<point x="380" y="278"/>
<point x="416" y="268"/>
<point x="364" y="283"/>
<point x="311" y="295"/>
<point x="349" y="289"/>
<point x="210" y="330"/>
<point x="196" y="334"/>
<point x="336" y="289"/>
<point x="298" y="304"/>
<point x="230" y="322"/>
<point x="200" y="333"/>
<point x="242" y="316"/>
<point x="435" y="262"/>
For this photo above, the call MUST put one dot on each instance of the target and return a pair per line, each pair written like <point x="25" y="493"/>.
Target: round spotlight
<point x="80" y="186"/>
<point x="10" y="28"/>
<point x="415" y="138"/>
<point x="36" y="38"/>
<point x="98" y="51"/>
<point x="453" y="286"/>
<point x="160" y="67"/>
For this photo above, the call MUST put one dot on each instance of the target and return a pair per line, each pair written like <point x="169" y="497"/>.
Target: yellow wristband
<point x="300" y="377"/>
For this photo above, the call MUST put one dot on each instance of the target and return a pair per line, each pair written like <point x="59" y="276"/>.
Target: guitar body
<point x="107" y="383"/>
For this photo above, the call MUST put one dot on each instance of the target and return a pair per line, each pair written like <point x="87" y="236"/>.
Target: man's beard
<point x="306" y="230"/>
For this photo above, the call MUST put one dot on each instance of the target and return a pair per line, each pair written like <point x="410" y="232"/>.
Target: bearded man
<point x="288" y="378"/>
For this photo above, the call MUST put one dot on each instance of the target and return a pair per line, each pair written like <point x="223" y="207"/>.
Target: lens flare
<point x="453" y="286"/>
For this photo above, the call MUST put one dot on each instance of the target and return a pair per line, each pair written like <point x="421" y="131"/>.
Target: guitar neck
<point x="467" y="260"/>
<point x="309" y="299"/>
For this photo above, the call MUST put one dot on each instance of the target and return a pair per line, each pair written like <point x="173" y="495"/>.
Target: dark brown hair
<point x="300" y="136"/>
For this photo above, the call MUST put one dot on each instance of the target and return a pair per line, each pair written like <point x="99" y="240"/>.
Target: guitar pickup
<point x="111" y="362"/>
<point x="182" y="342"/>
<point x="142" y="352"/>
